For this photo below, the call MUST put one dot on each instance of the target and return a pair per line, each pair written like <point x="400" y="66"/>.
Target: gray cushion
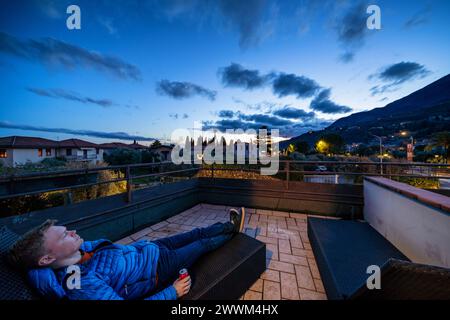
<point x="227" y="272"/>
<point x="343" y="250"/>
<point x="13" y="285"/>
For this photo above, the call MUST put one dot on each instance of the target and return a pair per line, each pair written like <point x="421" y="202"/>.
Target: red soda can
<point x="183" y="273"/>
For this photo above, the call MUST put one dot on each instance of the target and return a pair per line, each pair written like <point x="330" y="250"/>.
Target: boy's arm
<point x="93" y="288"/>
<point x="168" y="293"/>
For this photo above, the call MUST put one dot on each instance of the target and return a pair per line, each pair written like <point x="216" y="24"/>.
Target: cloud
<point x="351" y="29"/>
<point x="323" y="104"/>
<point x="291" y="84"/>
<point x="183" y="90"/>
<point x="288" y="120"/>
<point x="236" y="75"/>
<point x="264" y="119"/>
<point x="420" y="17"/>
<point x="283" y="84"/>
<point x="226" y="124"/>
<point x="347" y="57"/>
<point x="49" y="51"/>
<point x="286" y="128"/>
<point x="396" y="74"/>
<point x="90" y="133"/>
<point x="293" y="113"/>
<point x="72" y="96"/>
<point x="247" y="17"/>
<point x="253" y="20"/>
<point x="264" y="106"/>
<point x="225" y="114"/>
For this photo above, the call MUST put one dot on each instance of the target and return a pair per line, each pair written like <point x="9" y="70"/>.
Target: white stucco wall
<point x="100" y="155"/>
<point x="77" y="154"/>
<point x="8" y="161"/>
<point x="22" y="156"/>
<point x="419" y="231"/>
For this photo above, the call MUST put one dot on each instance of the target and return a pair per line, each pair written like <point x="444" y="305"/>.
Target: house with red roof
<point x="19" y="150"/>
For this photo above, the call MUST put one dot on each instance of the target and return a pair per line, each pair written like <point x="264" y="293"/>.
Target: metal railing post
<point x="129" y="185"/>
<point x="287" y="173"/>
<point x="68" y="198"/>
<point x="212" y="171"/>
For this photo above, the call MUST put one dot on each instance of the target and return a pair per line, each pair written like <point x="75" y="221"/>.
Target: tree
<point x="290" y="148"/>
<point x="442" y="139"/>
<point x="156" y="144"/>
<point x="330" y="144"/>
<point x="149" y="157"/>
<point x="123" y="156"/>
<point x="302" y="146"/>
<point x="364" y="150"/>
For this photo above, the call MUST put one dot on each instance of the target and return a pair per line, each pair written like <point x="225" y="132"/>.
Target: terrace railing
<point x="81" y="157"/>
<point x="138" y="175"/>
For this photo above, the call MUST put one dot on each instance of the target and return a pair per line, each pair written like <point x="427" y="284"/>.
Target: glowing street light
<point x="405" y="133"/>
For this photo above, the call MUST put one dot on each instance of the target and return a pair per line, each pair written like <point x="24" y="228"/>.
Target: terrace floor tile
<point x="291" y="272"/>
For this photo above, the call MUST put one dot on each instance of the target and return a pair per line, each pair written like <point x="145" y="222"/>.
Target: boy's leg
<point x="171" y="261"/>
<point x="183" y="239"/>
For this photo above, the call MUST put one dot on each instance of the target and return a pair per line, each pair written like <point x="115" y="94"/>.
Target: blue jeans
<point x="182" y="250"/>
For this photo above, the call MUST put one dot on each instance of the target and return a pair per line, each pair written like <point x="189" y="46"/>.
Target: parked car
<point x="321" y="168"/>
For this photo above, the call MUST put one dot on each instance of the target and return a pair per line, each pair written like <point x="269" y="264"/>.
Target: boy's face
<point x="60" y="244"/>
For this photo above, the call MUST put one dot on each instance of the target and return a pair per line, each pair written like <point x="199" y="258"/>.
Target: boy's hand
<point x="182" y="286"/>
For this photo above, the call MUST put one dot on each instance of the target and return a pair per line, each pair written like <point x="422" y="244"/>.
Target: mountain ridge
<point x="433" y="100"/>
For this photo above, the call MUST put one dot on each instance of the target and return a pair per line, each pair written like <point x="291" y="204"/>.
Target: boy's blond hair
<point x="26" y="251"/>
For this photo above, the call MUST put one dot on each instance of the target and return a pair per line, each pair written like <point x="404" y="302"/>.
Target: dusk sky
<point x="141" y="69"/>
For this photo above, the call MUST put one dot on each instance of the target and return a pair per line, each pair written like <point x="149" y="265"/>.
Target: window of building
<point x="48" y="152"/>
<point x="68" y="152"/>
<point x="3" y="153"/>
<point x="39" y="152"/>
<point x="97" y="150"/>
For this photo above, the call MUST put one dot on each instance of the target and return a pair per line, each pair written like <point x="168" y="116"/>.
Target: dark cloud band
<point x="323" y="104"/>
<point x="395" y="74"/>
<point x="72" y="96"/>
<point x="293" y="113"/>
<point x="89" y="133"/>
<point x="237" y="76"/>
<point x="183" y="90"/>
<point x="50" y="51"/>
<point x="291" y="84"/>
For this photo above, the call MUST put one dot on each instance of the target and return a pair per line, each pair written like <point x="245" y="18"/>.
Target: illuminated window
<point x="3" y="153"/>
<point x="48" y="152"/>
<point x="39" y="152"/>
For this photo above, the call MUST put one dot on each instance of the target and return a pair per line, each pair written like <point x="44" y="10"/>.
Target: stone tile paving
<point x="291" y="267"/>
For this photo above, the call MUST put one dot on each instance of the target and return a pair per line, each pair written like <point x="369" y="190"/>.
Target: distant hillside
<point x="423" y="112"/>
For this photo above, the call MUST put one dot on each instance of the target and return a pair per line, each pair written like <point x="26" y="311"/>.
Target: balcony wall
<point x="314" y="198"/>
<point x="113" y="218"/>
<point x="416" y="221"/>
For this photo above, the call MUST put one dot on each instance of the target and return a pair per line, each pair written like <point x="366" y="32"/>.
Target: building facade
<point x="19" y="150"/>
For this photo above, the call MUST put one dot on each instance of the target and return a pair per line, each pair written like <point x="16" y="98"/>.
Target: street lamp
<point x="381" y="152"/>
<point x="404" y="133"/>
